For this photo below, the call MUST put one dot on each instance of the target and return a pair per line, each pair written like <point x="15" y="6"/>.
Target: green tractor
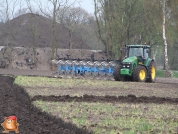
<point x="137" y="65"/>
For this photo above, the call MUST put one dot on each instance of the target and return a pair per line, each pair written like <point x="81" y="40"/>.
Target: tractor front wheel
<point x="117" y="75"/>
<point x="139" y="74"/>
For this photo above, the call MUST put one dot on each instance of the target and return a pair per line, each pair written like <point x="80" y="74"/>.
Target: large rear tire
<point x="117" y="75"/>
<point x="152" y="72"/>
<point x="140" y="74"/>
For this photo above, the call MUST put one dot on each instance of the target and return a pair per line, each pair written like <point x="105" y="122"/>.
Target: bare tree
<point x="118" y="23"/>
<point x="174" y="11"/>
<point x="9" y="11"/>
<point x="1" y="10"/>
<point x="34" y="31"/>
<point x="21" y="11"/>
<point x="72" y="19"/>
<point x="51" y="11"/>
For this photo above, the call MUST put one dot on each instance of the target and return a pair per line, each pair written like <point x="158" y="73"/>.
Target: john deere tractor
<point x="137" y="65"/>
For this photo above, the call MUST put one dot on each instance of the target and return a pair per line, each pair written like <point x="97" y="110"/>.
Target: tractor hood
<point x="130" y="59"/>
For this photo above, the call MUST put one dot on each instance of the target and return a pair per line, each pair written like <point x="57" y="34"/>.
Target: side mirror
<point x="121" y="50"/>
<point x="147" y="50"/>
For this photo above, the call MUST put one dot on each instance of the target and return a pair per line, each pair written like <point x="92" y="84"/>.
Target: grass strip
<point x="113" y="118"/>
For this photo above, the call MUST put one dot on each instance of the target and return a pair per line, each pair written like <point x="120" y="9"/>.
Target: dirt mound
<point x="23" y="58"/>
<point x="15" y="101"/>
<point x="29" y="28"/>
<point x="112" y="99"/>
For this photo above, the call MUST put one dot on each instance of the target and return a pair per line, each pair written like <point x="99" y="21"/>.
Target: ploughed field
<point x="55" y="105"/>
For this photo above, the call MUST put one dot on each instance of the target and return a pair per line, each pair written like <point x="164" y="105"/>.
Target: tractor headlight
<point x="126" y="64"/>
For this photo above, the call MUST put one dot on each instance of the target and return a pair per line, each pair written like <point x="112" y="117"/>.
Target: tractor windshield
<point x="137" y="51"/>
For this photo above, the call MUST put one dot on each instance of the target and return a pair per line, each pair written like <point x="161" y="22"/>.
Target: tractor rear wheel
<point x="152" y="72"/>
<point x="139" y="74"/>
<point x="117" y="75"/>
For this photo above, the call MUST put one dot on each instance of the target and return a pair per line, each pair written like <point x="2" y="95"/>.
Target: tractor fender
<point x="150" y="62"/>
<point x="143" y="65"/>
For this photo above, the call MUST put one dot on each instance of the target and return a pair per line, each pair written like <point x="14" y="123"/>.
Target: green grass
<point x="175" y="74"/>
<point x="107" y="118"/>
<point x="55" y="82"/>
<point x="66" y="83"/>
<point x="161" y="73"/>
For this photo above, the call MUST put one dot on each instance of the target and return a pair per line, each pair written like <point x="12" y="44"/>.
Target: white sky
<point x="87" y="5"/>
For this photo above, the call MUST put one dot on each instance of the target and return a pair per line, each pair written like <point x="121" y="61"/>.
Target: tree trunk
<point x="98" y="31"/>
<point x="54" y="35"/>
<point x="70" y="44"/>
<point x="165" y="41"/>
<point x="35" y="56"/>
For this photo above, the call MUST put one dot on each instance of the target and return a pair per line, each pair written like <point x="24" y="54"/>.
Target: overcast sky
<point x="87" y="5"/>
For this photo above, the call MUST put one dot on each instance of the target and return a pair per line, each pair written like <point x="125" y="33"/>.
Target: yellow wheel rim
<point x="153" y="72"/>
<point x="142" y="75"/>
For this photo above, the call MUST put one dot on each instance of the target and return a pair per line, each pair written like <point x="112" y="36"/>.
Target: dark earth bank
<point x="122" y="99"/>
<point x="15" y="101"/>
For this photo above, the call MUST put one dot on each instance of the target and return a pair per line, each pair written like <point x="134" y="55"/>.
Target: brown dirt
<point x="15" y="101"/>
<point x="112" y="99"/>
<point x="22" y="58"/>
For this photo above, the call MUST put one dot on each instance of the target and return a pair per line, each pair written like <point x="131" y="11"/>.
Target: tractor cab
<point x="140" y="51"/>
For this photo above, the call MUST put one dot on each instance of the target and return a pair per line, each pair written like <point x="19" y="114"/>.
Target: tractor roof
<point x="138" y="46"/>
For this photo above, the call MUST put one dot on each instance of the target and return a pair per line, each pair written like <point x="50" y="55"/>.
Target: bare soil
<point x="14" y="100"/>
<point x="23" y="58"/>
<point x="112" y="99"/>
